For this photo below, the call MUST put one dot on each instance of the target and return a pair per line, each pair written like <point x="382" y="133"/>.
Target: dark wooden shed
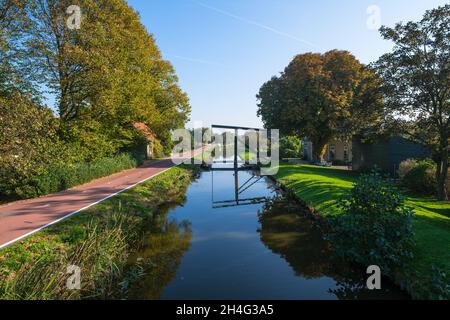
<point x="386" y="154"/>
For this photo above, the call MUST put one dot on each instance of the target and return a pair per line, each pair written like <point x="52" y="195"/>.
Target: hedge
<point x="63" y="176"/>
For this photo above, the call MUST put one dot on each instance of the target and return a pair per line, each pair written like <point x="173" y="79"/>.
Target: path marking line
<point x="82" y="209"/>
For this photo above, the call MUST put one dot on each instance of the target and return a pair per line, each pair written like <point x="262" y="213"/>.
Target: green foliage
<point x="13" y="25"/>
<point x="440" y="285"/>
<point x="416" y="83"/>
<point x="421" y="178"/>
<point x="105" y="77"/>
<point x="290" y="147"/>
<point x="29" y="142"/>
<point x="405" y="167"/>
<point x="99" y="241"/>
<point x="321" y="188"/>
<point x="247" y="156"/>
<point x="35" y="161"/>
<point x="198" y="135"/>
<point x="375" y="226"/>
<point x="59" y="177"/>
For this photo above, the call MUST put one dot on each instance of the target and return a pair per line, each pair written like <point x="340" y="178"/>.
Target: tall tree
<point x="417" y="82"/>
<point x="322" y="97"/>
<point x="13" y="23"/>
<point x="105" y="75"/>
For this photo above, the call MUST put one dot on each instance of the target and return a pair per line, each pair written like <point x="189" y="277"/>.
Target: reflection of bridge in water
<point x="239" y="188"/>
<point x="238" y="191"/>
<point x="237" y="164"/>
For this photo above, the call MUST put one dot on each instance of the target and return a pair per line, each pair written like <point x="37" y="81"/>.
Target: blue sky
<point x="224" y="50"/>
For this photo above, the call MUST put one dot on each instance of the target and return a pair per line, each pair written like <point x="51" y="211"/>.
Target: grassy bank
<point x="98" y="240"/>
<point x="320" y="188"/>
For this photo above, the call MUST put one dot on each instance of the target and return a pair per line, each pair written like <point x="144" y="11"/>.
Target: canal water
<point x="234" y="236"/>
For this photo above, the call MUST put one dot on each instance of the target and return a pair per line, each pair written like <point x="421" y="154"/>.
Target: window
<point x="332" y="151"/>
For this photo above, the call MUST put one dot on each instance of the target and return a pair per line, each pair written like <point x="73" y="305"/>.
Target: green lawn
<point x="321" y="187"/>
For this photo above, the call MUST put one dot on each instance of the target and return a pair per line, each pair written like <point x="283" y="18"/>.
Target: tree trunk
<point x="319" y="149"/>
<point x="441" y="175"/>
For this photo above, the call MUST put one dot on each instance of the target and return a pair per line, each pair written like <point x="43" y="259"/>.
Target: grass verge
<point x="98" y="241"/>
<point x="320" y="188"/>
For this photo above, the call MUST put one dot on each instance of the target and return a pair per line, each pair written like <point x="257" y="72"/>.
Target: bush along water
<point x="375" y="227"/>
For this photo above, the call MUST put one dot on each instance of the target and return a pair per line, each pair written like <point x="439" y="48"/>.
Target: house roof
<point x="145" y="131"/>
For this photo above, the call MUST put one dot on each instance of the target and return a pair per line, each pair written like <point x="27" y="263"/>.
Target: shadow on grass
<point x="441" y="211"/>
<point x="318" y="186"/>
<point x="329" y="172"/>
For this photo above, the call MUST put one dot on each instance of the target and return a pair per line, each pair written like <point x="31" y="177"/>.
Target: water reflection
<point x="264" y="249"/>
<point x="299" y="241"/>
<point x="157" y="263"/>
<point x="240" y="187"/>
<point x="295" y="239"/>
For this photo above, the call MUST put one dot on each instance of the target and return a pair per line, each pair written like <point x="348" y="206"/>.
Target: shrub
<point x="290" y="147"/>
<point x="439" y="284"/>
<point x="60" y="176"/>
<point x="405" y="167"/>
<point x="64" y="176"/>
<point x="28" y="140"/>
<point x="375" y="227"/>
<point x="421" y="179"/>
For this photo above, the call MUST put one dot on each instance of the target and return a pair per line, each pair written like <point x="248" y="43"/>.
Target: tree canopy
<point x="322" y="97"/>
<point x="104" y="76"/>
<point x="13" y="24"/>
<point x="416" y="78"/>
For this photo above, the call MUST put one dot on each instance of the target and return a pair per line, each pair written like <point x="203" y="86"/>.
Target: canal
<point x="237" y="237"/>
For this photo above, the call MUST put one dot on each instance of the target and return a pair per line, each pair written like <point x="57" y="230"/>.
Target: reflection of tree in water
<point x="286" y="232"/>
<point x="295" y="238"/>
<point x="158" y="261"/>
<point x="354" y="287"/>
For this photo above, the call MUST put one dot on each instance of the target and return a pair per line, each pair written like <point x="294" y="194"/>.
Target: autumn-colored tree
<point x="416" y="75"/>
<point x="322" y="97"/>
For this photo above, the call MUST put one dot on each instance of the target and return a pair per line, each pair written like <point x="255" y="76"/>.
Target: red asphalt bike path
<point x="21" y="219"/>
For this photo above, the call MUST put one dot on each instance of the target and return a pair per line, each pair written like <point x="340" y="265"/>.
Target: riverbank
<point x="320" y="188"/>
<point x="98" y="241"/>
<point x="253" y="246"/>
